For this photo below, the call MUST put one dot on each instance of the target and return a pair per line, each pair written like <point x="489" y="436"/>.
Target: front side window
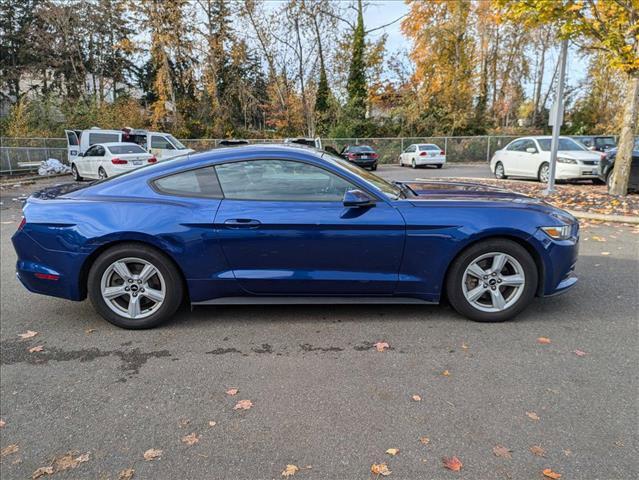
<point x="90" y="152"/>
<point x="280" y="180"/>
<point x="528" y="144"/>
<point x="201" y="182"/>
<point x="516" y="146"/>
<point x="103" y="138"/>
<point x="161" y="142"/>
<point x="179" y="145"/>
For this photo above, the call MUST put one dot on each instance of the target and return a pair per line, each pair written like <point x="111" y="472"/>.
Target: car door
<point x="407" y="156"/>
<point x="98" y="159"/>
<point x="285" y="231"/>
<point x="512" y="158"/>
<point x="73" y="145"/>
<point x="161" y="147"/>
<point x="83" y="163"/>
<point x="529" y="160"/>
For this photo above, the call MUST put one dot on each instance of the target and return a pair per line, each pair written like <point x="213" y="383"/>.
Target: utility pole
<point x="557" y="117"/>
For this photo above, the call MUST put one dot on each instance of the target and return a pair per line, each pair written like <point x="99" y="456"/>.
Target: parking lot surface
<point x="323" y="398"/>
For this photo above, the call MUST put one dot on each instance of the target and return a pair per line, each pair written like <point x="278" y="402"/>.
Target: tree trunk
<point x="621" y="173"/>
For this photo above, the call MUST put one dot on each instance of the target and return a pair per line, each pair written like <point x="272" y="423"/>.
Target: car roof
<point x="115" y="144"/>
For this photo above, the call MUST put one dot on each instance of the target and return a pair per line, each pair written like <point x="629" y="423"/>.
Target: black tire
<point x="502" y="175"/>
<point x="440" y="165"/>
<point x="609" y="179"/>
<point x="455" y="275"/>
<point x="413" y="163"/>
<point x="102" y="173"/>
<point x="544" y="166"/>
<point x="173" y="285"/>
<point x="74" y="172"/>
<point x="373" y="168"/>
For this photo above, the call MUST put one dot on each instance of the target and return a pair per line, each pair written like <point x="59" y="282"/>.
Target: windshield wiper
<point x="404" y="189"/>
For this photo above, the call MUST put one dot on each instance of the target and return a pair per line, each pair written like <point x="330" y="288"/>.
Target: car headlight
<point x="566" y="160"/>
<point x="558" y="233"/>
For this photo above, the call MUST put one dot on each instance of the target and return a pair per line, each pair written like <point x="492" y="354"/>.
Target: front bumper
<point x="571" y="171"/>
<point x="559" y="259"/>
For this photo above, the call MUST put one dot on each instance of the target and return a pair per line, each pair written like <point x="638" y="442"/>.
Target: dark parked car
<point x="270" y="224"/>
<point x="607" y="165"/>
<point x="361" y="155"/>
<point x="233" y="142"/>
<point x="598" y="143"/>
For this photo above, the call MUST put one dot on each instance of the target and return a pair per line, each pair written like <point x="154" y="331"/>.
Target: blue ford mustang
<point x="282" y="224"/>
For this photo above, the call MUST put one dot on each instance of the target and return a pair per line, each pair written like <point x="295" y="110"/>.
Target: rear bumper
<point x="440" y="160"/>
<point x="47" y="272"/>
<point x="365" y="163"/>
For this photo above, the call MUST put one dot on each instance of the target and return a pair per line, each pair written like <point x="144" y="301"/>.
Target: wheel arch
<point x="541" y="269"/>
<point x="90" y="260"/>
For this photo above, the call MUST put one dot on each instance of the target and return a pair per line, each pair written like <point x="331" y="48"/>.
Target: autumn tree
<point x="610" y="27"/>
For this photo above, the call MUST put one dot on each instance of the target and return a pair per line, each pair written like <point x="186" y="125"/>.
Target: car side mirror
<point x="531" y="150"/>
<point x="357" y="198"/>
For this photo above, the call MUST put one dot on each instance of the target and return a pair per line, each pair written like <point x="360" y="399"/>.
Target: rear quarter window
<point x="201" y="182"/>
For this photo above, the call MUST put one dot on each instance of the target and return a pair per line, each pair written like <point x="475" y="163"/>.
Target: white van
<point x="162" y="145"/>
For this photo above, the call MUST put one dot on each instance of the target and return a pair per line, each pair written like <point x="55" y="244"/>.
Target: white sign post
<point x="557" y="117"/>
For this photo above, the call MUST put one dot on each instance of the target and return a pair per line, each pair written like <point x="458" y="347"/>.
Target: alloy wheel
<point x="544" y="173"/>
<point x="493" y="282"/>
<point x="499" y="171"/>
<point x="133" y="288"/>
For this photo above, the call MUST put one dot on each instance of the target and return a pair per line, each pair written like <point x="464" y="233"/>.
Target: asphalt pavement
<point x="323" y="398"/>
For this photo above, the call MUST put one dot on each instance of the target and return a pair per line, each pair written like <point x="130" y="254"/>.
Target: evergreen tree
<point x="356" y="85"/>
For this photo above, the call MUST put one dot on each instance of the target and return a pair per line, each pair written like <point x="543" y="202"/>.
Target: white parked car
<point x="104" y="160"/>
<point x="530" y="157"/>
<point x="420" y="154"/>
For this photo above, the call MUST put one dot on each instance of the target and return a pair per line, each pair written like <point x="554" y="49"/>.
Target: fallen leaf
<point x="2" y="423"/>
<point x="212" y="423"/>
<point x="243" y="405"/>
<point x="232" y="391"/>
<point x="89" y="331"/>
<point x="424" y="440"/>
<point x="152" y="454"/>
<point x="446" y="373"/>
<point x="597" y="239"/>
<point x="381" y="346"/>
<point x="567" y="452"/>
<point x="500" y="451"/>
<point x="8" y="450"/>
<point x="550" y="474"/>
<point x="537" y="450"/>
<point x="69" y="461"/>
<point x="380" y="469"/>
<point x="392" y="451"/>
<point x="532" y="415"/>
<point x="579" y="353"/>
<point x="464" y="346"/>
<point x="184" y="422"/>
<point x="28" y="334"/>
<point x="126" y="474"/>
<point x="39" y="348"/>
<point x="290" y="470"/>
<point x="452" y="463"/>
<point x="191" y="439"/>
<point x="41" y="472"/>
<point x="605" y="254"/>
<point x="543" y="340"/>
<point x="416" y="398"/>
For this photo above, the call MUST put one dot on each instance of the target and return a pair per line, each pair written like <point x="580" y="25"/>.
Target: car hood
<point x="481" y="195"/>
<point x="579" y="155"/>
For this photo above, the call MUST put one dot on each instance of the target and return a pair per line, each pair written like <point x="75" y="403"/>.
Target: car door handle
<point x="241" y="223"/>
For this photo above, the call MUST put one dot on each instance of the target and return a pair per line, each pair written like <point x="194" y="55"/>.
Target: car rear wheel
<point x="440" y="165"/>
<point x="102" y="173"/>
<point x="492" y="281"/>
<point x="134" y="286"/>
<point x="500" y="173"/>
<point x="74" y="172"/>
<point x="544" y="173"/>
<point x="413" y="163"/>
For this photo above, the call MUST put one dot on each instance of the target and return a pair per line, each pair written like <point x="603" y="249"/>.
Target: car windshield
<point x="360" y="149"/>
<point x="392" y="191"/>
<point x="179" y="145"/>
<point x="130" y="148"/>
<point x="565" y="144"/>
<point x="606" y="142"/>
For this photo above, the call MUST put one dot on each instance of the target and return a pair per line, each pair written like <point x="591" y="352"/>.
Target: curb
<point x="9" y="181"/>
<point x="605" y="218"/>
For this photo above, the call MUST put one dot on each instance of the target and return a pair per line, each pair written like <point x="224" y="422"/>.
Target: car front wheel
<point x="134" y="286"/>
<point x="74" y="172"/>
<point x="500" y="173"/>
<point x="492" y="281"/>
<point x="544" y="173"/>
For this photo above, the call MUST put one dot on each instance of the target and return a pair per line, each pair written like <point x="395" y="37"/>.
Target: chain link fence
<point x="21" y="155"/>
